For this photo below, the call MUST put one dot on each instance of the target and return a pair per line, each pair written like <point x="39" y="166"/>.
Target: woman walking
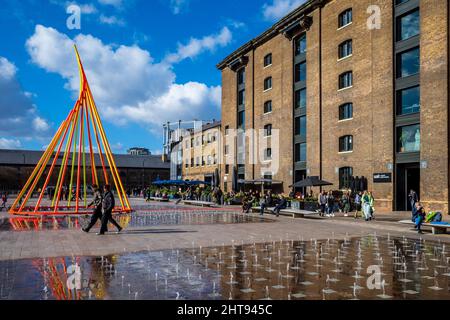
<point x="358" y="208"/>
<point x="366" y="206"/>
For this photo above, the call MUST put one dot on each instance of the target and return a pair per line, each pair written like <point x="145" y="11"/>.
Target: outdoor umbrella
<point x="311" y="182"/>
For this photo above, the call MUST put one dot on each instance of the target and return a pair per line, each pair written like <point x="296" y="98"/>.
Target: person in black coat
<point x="281" y="205"/>
<point x="108" y="205"/>
<point x="97" y="204"/>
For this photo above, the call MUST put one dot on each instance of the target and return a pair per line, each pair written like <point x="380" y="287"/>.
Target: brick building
<point x="357" y="88"/>
<point x="201" y="152"/>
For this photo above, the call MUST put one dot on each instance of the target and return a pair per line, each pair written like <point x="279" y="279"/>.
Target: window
<point x="241" y="76"/>
<point x="346" y="80"/>
<point x="346" y="144"/>
<point x="227" y="130"/>
<point x="241" y="119"/>
<point x="268" y="130"/>
<point x="346" y="111"/>
<point x="192" y="142"/>
<point x="268" y="154"/>
<point x="197" y="161"/>
<point x="345" y="49"/>
<point x="268" y="60"/>
<point x="408" y="25"/>
<point x="300" y="44"/>
<point x="268" y="176"/>
<point x="300" y="98"/>
<point x="397" y="2"/>
<point x="345" y="18"/>
<point x="227" y="169"/>
<point x="408" y="100"/>
<point x="300" y="126"/>
<point x="345" y="175"/>
<point x="203" y="161"/>
<point x="300" y="72"/>
<point x="267" y="106"/>
<point x="408" y="138"/>
<point x="268" y="83"/>
<point x="300" y="152"/>
<point x="241" y="98"/>
<point x="408" y="63"/>
<point x="192" y="162"/>
<point x="227" y="150"/>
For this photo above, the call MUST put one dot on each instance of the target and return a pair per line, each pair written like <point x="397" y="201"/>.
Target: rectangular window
<point x="227" y="129"/>
<point x="345" y="175"/>
<point x="300" y="126"/>
<point x="408" y="138"/>
<point x="300" y="152"/>
<point x="346" y="144"/>
<point x="268" y="176"/>
<point x="300" y="99"/>
<point x="241" y="98"/>
<point x="346" y="111"/>
<point x="346" y="80"/>
<point x="408" y="63"/>
<point x="408" y="25"/>
<point x="227" y="150"/>
<point x="268" y="130"/>
<point x="241" y="120"/>
<point x="227" y="169"/>
<point x="192" y="162"/>
<point x="300" y="44"/>
<point x="268" y="83"/>
<point x="268" y="106"/>
<point x="408" y="101"/>
<point x="268" y="154"/>
<point x="300" y="72"/>
<point x="241" y="76"/>
<point x="268" y="60"/>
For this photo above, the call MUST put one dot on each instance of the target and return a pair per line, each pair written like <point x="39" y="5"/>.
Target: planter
<point x="311" y="206"/>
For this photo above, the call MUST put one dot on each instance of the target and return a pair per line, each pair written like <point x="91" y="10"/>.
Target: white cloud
<point x="178" y="5"/>
<point x="10" y="144"/>
<point x="114" y="3"/>
<point x="197" y="46"/>
<point x="112" y="20"/>
<point x="128" y="85"/>
<point x="18" y="114"/>
<point x="279" y="8"/>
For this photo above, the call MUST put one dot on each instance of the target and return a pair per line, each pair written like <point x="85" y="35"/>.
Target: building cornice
<point x="298" y="16"/>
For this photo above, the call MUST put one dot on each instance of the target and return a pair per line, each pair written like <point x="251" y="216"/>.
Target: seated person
<point x="281" y="205"/>
<point x="420" y="217"/>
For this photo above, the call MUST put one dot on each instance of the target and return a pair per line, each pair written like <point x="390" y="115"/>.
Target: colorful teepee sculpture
<point x="72" y="152"/>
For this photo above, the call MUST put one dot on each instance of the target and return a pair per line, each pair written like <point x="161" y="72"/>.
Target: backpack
<point x="433" y="217"/>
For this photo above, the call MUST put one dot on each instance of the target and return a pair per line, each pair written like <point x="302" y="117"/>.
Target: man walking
<point x="108" y="205"/>
<point x="97" y="204"/>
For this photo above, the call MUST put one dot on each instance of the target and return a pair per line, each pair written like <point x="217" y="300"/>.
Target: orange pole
<point x="67" y="122"/>
<point x="65" y="163"/>
<point x="36" y="169"/>
<point x="79" y="161"/>
<point x="93" y="167"/>
<point x="43" y="166"/>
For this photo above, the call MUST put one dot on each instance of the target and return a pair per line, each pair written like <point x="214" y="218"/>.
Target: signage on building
<point x="382" y="177"/>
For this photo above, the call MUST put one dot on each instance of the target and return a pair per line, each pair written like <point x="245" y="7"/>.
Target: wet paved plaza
<point x="179" y="252"/>
<point x="298" y="269"/>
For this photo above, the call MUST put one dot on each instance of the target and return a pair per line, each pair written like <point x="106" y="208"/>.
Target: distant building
<point x="139" y="152"/>
<point x="16" y="167"/>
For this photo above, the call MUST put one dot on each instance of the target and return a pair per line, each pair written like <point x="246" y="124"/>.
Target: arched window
<point x="346" y="111"/>
<point x="346" y="80"/>
<point x="345" y="18"/>
<point x="345" y="49"/>
<point x="346" y="144"/>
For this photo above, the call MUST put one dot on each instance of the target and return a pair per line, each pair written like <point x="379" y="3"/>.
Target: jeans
<point x="263" y="208"/>
<point x="419" y="222"/>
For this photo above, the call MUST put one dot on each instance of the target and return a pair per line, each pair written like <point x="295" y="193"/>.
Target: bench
<point x="295" y="213"/>
<point x="159" y="199"/>
<point x="435" y="228"/>
<point x="199" y="203"/>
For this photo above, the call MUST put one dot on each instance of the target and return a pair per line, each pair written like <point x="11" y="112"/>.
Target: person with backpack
<point x="108" y="204"/>
<point x="97" y="204"/>
<point x="330" y="204"/>
<point x="420" y="217"/>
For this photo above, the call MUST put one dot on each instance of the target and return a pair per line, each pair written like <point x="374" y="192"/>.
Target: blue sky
<point x="148" y="61"/>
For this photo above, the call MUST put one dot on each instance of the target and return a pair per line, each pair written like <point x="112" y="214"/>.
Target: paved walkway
<point x="55" y="243"/>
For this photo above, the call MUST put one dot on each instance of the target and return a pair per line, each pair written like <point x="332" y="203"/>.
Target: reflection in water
<point x="329" y="269"/>
<point x="135" y="220"/>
